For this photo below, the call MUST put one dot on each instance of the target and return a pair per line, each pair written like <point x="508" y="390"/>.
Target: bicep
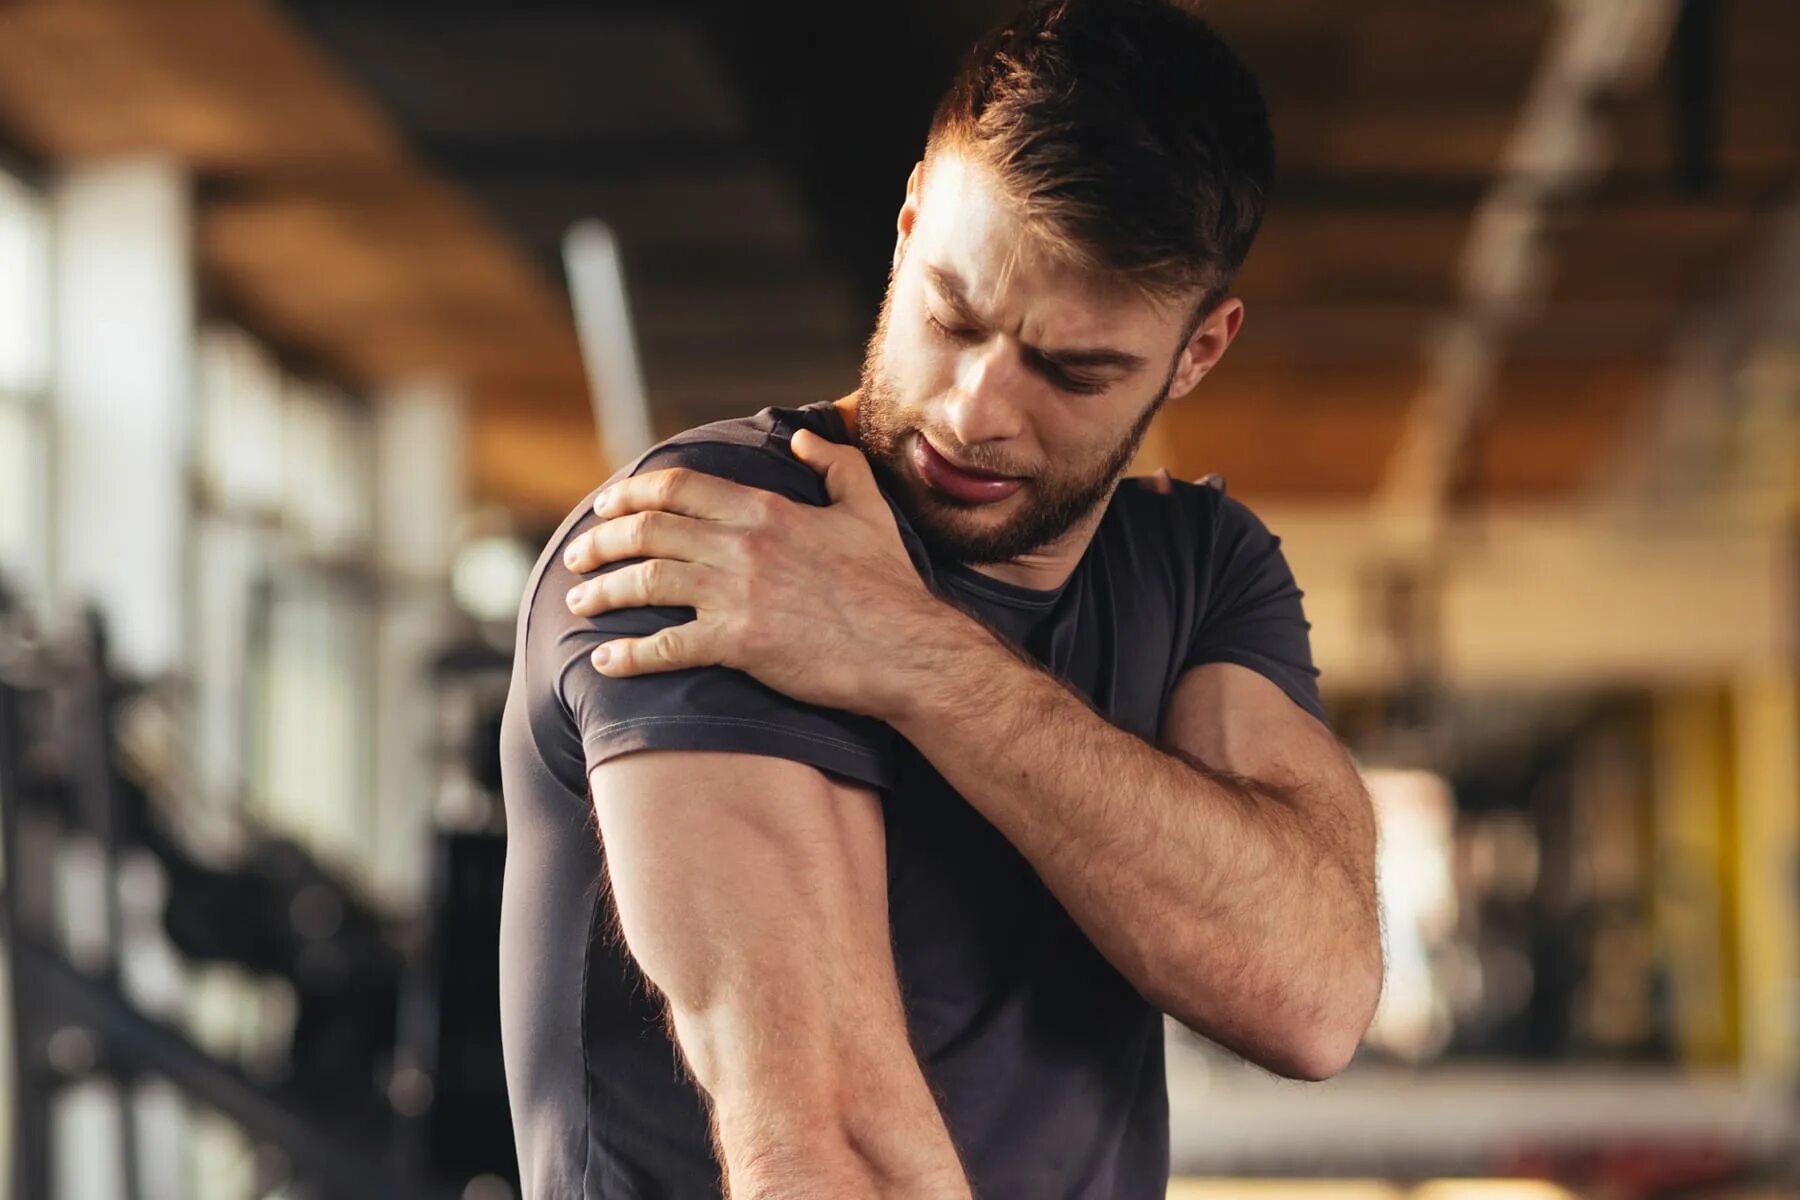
<point x="752" y="893"/>
<point x="1228" y="718"/>
<point x="1236" y="719"/>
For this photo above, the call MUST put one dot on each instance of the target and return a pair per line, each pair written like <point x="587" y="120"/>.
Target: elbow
<point x="1311" y="1033"/>
<point x="1327" y="1043"/>
<point x="1317" y="1056"/>
<point x="1313" y="1052"/>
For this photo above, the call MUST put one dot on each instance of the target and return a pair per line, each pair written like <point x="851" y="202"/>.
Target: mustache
<point x="947" y="447"/>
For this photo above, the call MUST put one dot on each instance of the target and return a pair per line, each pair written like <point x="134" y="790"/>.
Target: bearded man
<point x="880" y="771"/>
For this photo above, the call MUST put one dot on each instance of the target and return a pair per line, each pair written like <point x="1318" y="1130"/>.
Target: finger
<point x="678" y="490"/>
<point x="848" y="478"/>
<point x="1213" y="480"/>
<point x="668" y="649"/>
<point x="647" y="534"/>
<point x="634" y="585"/>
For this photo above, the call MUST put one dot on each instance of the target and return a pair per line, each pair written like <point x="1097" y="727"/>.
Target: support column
<point x="123" y="401"/>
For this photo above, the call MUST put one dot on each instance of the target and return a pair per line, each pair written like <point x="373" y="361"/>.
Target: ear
<point x="909" y="209"/>
<point x="1204" y="349"/>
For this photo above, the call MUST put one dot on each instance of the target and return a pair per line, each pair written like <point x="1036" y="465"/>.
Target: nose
<point x="983" y="406"/>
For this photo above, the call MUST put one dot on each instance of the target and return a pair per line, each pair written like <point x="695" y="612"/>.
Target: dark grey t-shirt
<point x="1047" y="1063"/>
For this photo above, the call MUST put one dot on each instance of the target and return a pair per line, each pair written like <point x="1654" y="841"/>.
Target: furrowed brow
<point x="1098" y="356"/>
<point x="950" y="286"/>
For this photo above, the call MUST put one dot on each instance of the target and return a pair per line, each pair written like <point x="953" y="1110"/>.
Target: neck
<point x="1049" y="566"/>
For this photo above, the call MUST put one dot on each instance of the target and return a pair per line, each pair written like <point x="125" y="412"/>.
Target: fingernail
<point x="570" y="558"/>
<point x="575" y="593"/>
<point x="602" y="655"/>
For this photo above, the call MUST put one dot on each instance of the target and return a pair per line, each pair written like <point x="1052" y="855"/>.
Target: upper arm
<point x="1223" y="717"/>
<point x="1249" y="607"/>
<point x="752" y="892"/>
<point x="1234" y="719"/>
<point x="744" y="846"/>
<point x="1246" y="700"/>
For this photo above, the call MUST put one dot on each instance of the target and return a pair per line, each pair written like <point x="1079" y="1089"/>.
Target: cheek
<point x="1077" y="441"/>
<point x="920" y="364"/>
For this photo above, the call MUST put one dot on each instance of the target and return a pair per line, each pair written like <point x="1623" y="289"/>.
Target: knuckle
<point x="636" y="530"/>
<point x="652" y="574"/>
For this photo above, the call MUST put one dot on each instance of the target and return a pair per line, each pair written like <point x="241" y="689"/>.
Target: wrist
<point x="876" y="1136"/>
<point x="937" y="646"/>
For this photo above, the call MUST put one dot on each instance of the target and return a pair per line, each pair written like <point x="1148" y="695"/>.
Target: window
<point x="285" y="596"/>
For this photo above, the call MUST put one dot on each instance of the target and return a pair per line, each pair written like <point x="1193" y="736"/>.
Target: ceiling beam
<point x="1558" y="147"/>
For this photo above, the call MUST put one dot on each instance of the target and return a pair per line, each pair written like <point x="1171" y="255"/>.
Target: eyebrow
<point x="950" y="285"/>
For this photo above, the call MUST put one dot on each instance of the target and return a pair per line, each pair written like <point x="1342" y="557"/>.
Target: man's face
<point x="986" y="355"/>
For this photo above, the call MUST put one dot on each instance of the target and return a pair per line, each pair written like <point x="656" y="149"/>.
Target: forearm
<point x="871" y="1132"/>
<point x="1223" y="901"/>
<point x="819" y="1094"/>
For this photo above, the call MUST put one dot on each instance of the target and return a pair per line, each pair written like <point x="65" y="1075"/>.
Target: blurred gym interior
<point x="316" y="316"/>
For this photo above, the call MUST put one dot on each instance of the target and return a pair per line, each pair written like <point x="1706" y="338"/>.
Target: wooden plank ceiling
<point x="386" y="186"/>
<point x="318" y="228"/>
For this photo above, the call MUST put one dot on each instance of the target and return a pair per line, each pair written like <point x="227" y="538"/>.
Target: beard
<point x="1047" y="505"/>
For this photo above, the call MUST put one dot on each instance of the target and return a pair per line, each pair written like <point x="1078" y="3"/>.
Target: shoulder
<point x="1199" y="518"/>
<point x="1223" y="527"/>
<point x="752" y="450"/>
<point x="1214" y="548"/>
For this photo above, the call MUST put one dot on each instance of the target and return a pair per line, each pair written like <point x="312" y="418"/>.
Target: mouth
<point x="961" y="483"/>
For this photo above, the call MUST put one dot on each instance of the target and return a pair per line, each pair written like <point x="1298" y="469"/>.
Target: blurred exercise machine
<point x="390" y="1087"/>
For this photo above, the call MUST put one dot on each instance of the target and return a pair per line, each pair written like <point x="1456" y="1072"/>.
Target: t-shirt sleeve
<point x="1250" y="612"/>
<point x="699" y="708"/>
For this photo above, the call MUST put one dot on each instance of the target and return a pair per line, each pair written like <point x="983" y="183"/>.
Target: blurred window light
<point x="328" y="464"/>
<point x="230" y="558"/>
<point x="1416" y="814"/>
<point x="238" y="449"/>
<point x="1365" y="1189"/>
<point x="312" y="770"/>
<point x="24" y="485"/>
<point x="1489" y="1189"/>
<point x="270" y="445"/>
<point x="24" y="374"/>
<point x="24" y="288"/>
<point x="489" y="576"/>
<point x="1283" y="1189"/>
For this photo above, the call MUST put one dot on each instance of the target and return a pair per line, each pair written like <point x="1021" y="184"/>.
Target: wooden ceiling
<point x="318" y="228"/>
<point x="384" y="188"/>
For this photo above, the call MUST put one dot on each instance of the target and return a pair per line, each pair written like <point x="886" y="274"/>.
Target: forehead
<point x="967" y="225"/>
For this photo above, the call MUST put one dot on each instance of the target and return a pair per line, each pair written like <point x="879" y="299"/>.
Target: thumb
<point x="848" y="479"/>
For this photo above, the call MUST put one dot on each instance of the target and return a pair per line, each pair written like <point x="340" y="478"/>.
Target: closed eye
<point x="1058" y="378"/>
<point x="955" y="333"/>
<point x="1068" y="383"/>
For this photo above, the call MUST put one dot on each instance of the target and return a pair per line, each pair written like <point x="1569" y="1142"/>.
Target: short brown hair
<point x="1129" y="136"/>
